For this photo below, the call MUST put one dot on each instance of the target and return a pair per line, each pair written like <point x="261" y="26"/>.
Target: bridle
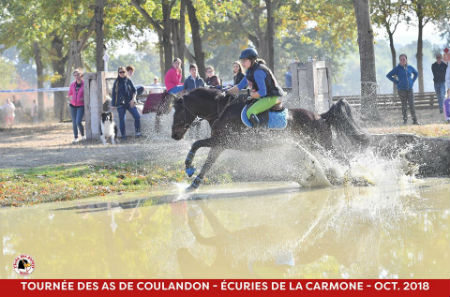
<point x="217" y="114"/>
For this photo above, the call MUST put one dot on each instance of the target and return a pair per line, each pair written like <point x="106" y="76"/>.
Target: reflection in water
<point x="258" y="230"/>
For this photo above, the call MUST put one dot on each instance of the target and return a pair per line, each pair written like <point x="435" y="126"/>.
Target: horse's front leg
<point x="190" y="156"/>
<point x="210" y="160"/>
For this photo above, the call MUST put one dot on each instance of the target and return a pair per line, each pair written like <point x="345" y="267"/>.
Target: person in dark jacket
<point x="193" y="81"/>
<point x="404" y="76"/>
<point x="211" y="78"/>
<point x="124" y="98"/>
<point x="238" y="75"/>
<point x="439" y="68"/>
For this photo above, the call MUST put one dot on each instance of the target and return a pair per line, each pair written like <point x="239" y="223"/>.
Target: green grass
<point x="19" y="187"/>
<point x="56" y="183"/>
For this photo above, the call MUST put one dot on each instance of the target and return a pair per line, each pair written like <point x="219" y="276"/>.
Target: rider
<point x="265" y="88"/>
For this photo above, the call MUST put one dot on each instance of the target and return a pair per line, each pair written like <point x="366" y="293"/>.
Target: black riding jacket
<point x="273" y="89"/>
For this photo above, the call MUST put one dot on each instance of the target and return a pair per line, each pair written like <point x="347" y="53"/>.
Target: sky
<point x="404" y="35"/>
<point x="408" y="34"/>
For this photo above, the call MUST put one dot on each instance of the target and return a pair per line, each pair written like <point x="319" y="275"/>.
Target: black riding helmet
<point x="249" y="53"/>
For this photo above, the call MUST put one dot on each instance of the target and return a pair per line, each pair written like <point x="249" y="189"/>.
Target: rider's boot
<point x="254" y="120"/>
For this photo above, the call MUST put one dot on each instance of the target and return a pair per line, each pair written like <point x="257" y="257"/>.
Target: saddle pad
<point x="277" y="119"/>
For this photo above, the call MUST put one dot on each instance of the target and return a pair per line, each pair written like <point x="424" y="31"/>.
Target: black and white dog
<point x="108" y="128"/>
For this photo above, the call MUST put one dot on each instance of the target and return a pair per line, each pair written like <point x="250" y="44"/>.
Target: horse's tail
<point x="340" y="117"/>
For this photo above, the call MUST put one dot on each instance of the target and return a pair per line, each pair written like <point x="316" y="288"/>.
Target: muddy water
<point x="240" y="230"/>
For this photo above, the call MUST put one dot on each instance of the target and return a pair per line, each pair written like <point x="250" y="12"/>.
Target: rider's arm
<point x="243" y="84"/>
<point x="260" y="77"/>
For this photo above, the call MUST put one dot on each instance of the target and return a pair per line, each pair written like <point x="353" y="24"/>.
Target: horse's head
<point x="182" y="118"/>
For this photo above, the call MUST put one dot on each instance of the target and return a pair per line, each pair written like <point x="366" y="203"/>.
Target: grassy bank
<point x="20" y="187"/>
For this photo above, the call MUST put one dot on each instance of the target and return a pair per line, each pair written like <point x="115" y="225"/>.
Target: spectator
<point x="9" y="108"/>
<point x="211" y="78"/>
<point x="34" y="111"/>
<point x="172" y="79"/>
<point x="193" y="81"/>
<point x="288" y="78"/>
<point x="156" y="87"/>
<point x="439" y="68"/>
<point x="404" y="76"/>
<point x="447" y="80"/>
<point x="124" y="98"/>
<point x="238" y="74"/>
<point x="76" y="93"/>
<point x="130" y="72"/>
<point x="17" y="102"/>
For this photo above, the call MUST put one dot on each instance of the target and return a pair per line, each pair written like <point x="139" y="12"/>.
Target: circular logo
<point x="23" y="264"/>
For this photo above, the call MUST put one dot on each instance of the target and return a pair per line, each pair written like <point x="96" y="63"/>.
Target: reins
<point x="209" y="117"/>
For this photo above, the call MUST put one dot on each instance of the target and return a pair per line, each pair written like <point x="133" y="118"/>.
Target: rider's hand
<point x="234" y="90"/>
<point x="254" y="94"/>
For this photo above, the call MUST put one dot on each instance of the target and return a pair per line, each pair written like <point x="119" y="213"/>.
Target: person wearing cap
<point x="76" y="93"/>
<point x="264" y="87"/>
<point x="439" y="68"/>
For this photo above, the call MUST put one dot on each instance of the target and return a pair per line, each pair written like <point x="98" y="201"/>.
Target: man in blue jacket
<point x="193" y="81"/>
<point x="404" y="76"/>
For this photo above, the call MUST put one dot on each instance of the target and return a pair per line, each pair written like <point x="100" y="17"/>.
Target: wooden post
<point x="95" y="92"/>
<point x="311" y="86"/>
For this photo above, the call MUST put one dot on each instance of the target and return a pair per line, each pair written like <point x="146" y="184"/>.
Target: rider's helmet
<point x="249" y="53"/>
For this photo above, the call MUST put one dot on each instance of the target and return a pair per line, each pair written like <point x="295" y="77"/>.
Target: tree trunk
<point x="99" y="34"/>
<point x="367" y="61"/>
<point x="196" y="39"/>
<point x="394" y="57"/>
<point x="58" y="63"/>
<point x="161" y="57"/>
<point x="167" y="45"/>
<point x="182" y="33"/>
<point x="270" y="35"/>
<point x="40" y="79"/>
<point x="419" y="54"/>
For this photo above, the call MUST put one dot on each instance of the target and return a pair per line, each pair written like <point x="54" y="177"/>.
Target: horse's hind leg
<point x="210" y="160"/>
<point x="190" y="156"/>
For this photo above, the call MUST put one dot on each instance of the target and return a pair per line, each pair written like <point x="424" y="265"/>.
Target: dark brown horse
<point x="223" y="112"/>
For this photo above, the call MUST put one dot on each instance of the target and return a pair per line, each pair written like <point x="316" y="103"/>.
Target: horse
<point x="223" y="113"/>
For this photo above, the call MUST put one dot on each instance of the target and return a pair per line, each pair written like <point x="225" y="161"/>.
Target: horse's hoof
<point x="190" y="171"/>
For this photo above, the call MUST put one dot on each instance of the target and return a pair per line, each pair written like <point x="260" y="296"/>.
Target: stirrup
<point x="254" y="120"/>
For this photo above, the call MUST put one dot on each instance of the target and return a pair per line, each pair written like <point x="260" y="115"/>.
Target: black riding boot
<point x="254" y="120"/>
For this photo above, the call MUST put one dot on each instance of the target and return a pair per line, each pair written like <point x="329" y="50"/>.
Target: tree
<point x="199" y="55"/>
<point x="160" y="23"/>
<point x="367" y="60"/>
<point x="99" y="35"/>
<point x="426" y="11"/>
<point x="388" y="14"/>
<point x="23" y="26"/>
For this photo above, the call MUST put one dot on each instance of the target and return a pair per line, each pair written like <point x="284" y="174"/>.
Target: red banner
<point x="238" y="287"/>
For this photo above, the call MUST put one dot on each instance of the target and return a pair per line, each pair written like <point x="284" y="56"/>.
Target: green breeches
<point x="262" y="104"/>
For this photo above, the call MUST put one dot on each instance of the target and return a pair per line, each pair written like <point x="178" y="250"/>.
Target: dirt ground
<point x="26" y="146"/>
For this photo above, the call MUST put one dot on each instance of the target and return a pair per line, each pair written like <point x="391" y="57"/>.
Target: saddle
<point x="273" y="118"/>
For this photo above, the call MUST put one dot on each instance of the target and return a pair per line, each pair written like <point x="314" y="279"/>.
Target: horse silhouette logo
<point x="23" y="264"/>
